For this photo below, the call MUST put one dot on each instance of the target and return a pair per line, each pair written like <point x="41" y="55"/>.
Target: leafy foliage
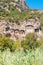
<point x="5" y="43"/>
<point x="30" y="42"/>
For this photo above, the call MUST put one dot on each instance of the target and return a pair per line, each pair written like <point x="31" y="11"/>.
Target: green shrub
<point x="6" y="43"/>
<point x="17" y="45"/>
<point x="30" y="42"/>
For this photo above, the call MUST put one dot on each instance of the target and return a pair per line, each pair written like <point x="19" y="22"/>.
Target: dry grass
<point x="21" y="58"/>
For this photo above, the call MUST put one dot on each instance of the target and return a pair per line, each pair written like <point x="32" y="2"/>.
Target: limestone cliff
<point x="19" y="31"/>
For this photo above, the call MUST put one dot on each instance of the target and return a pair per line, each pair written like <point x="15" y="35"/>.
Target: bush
<point x="17" y="45"/>
<point x="6" y="43"/>
<point x="30" y="42"/>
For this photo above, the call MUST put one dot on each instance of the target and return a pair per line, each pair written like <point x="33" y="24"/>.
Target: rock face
<point x="18" y="32"/>
<point x="18" y="4"/>
<point x="22" y="3"/>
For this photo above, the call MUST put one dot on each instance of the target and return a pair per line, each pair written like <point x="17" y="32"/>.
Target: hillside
<point x="21" y="34"/>
<point x="13" y="13"/>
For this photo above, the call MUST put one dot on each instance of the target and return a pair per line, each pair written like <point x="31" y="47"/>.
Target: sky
<point x="35" y="4"/>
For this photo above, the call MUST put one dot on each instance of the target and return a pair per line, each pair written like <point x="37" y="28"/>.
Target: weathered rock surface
<point x="15" y="31"/>
<point x="19" y="4"/>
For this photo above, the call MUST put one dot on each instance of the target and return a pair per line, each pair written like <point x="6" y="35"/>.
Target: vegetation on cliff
<point x="26" y="52"/>
<point x="9" y="12"/>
